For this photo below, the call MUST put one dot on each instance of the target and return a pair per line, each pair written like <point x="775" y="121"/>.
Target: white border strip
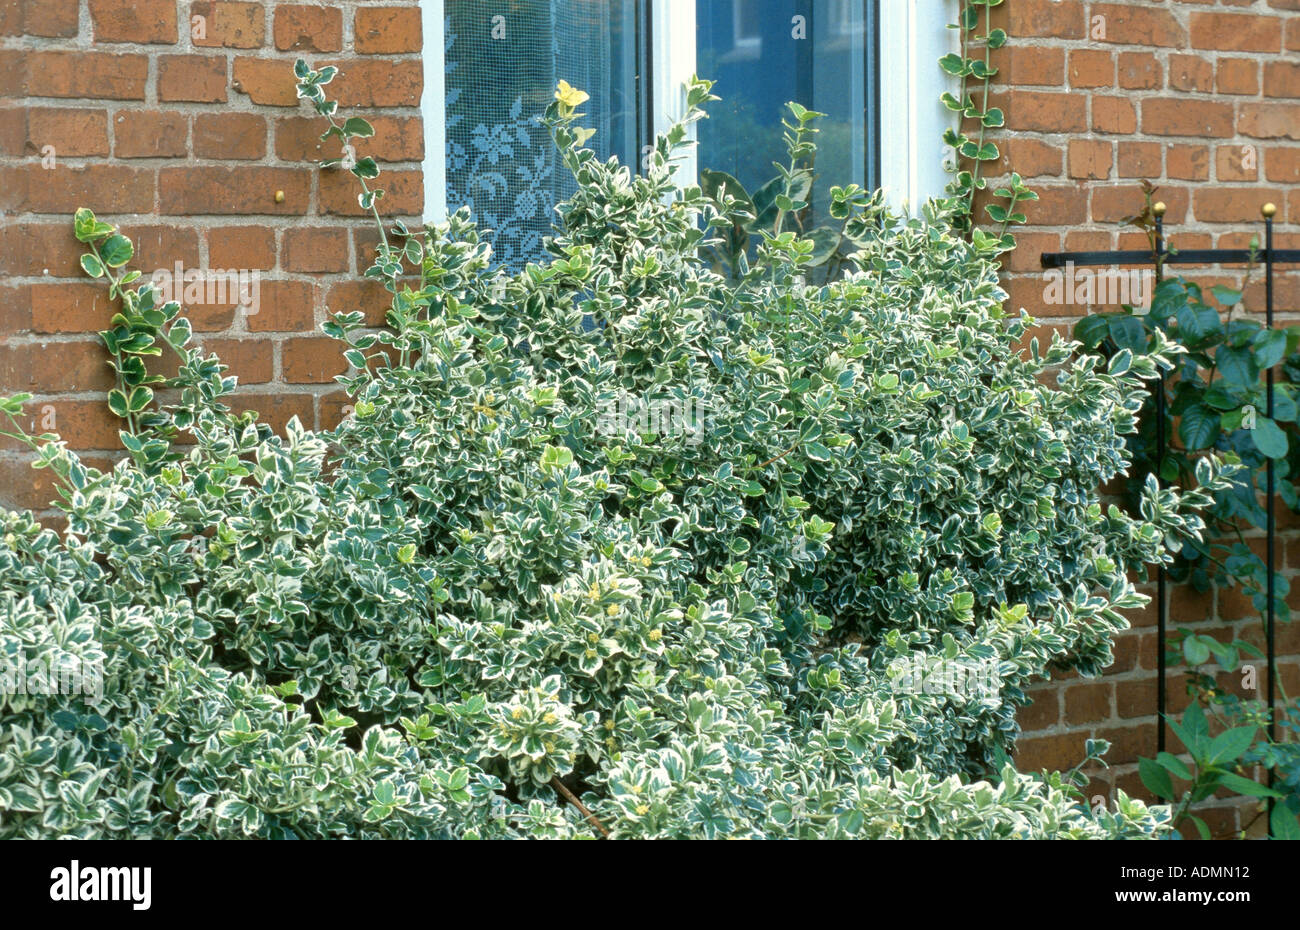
<point x="673" y="64"/>
<point x="912" y="120"/>
<point x="433" y="112"/>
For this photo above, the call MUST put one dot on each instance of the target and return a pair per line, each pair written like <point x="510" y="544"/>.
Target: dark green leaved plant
<point x="1216" y="404"/>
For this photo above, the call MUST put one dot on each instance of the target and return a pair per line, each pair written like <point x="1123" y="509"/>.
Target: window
<point x="491" y="67"/>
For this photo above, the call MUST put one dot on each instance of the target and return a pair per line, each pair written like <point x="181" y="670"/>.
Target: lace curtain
<point x="503" y="61"/>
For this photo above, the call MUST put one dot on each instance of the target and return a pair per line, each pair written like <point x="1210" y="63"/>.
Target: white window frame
<point x="433" y="110"/>
<point x="912" y="119"/>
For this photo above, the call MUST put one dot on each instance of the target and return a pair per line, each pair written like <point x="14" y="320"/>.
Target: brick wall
<point x="1203" y="99"/>
<point x="183" y="130"/>
<point x="179" y="121"/>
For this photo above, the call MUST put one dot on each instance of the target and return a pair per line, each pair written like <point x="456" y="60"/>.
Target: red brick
<point x="238" y="136"/>
<point x="1057" y="206"/>
<point x="396" y="138"/>
<point x="1088" y="240"/>
<point x="1136" y="25"/>
<point x="111" y="188"/>
<point x="1281" y="79"/>
<point x="227" y="24"/>
<point x="1036" y="111"/>
<point x="26" y="487"/>
<point x="191" y="79"/>
<point x="370" y="297"/>
<point x="1090" y="159"/>
<point x="1136" y="698"/>
<point x="1140" y="160"/>
<point x="334" y="406"/>
<point x="316" y="250"/>
<point x="212" y="318"/>
<point x="15" y="73"/>
<point x="163" y="246"/>
<point x="1129" y="742"/>
<point x="72" y="132"/>
<point x="13" y="132"/>
<point x="1282" y="165"/>
<point x="1026" y="291"/>
<point x="55" y="367"/>
<point x="15" y="309"/>
<point x="1056" y="752"/>
<point x="1090" y="68"/>
<point x="1087" y="703"/>
<point x="387" y="30"/>
<point x="150" y="134"/>
<point x="34" y="249"/>
<point x="1030" y="157"/>
<point x="1126" y="654"/>
<point x="1232" y="204"/>
<point x="1237" y="76"/>
<point x="1188" y="162"/>
<point x="1198" y="118"/>
<point x="85" y="424"/>
<point x="1114" y="115"/>
<point x="220" y="190"/>
<point x="1191" y="72"/>
<point x="1060" y="19"/>
<point x="1030" y="245"/>
<point x="1187" y="605"/>
<point x="1269" y="120"/>
<point x="136" y="21"/>
<point x="1111" y="204"/>
<point x="94" y="75"/>
<point x="377" y="83"/>
<point x="269" y="82"/>
<point x="248" y="359"/>
<point x="54" y="19"/>
<point x="309" y="28"/>
<point x="68" y="308"/>
<point x="285" y="307"/>
<point x="1139" y="71"/>
<point x="404" y="193"/>
<point x="1236" y="163"/>
<point x="1042" y="713"/>
<point x="298" y="139"/>
<point x="250" y="247"/>
<point x="312" y="360"/>
<point x="1236" y="32"/>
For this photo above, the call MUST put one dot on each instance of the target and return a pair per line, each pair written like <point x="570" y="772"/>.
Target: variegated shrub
<point x="495" y="602"/>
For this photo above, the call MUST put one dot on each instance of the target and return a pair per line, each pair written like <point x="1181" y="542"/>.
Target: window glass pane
<point x="764" y="53"/>
<point x="503" y="61"/>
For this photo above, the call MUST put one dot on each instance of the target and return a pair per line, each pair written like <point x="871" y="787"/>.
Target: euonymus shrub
<point x="611" y="545"/>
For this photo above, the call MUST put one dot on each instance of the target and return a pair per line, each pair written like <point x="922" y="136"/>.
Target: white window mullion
<point x="673" y="64"/>
<point x="433" y="112"/>
<point x="912" y="120"/>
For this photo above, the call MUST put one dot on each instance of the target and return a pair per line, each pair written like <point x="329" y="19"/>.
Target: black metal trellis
<point x="1269" y="257"/>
